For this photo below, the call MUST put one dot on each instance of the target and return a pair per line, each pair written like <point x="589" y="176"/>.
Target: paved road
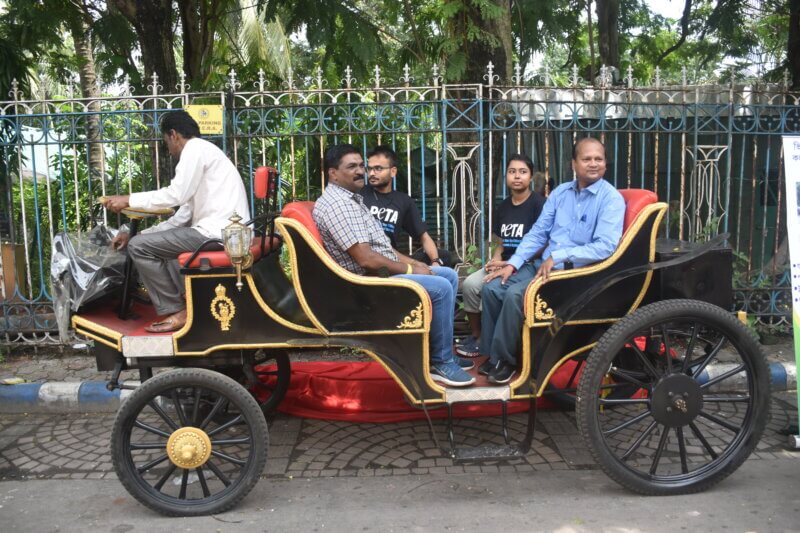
<point x="56" y="475"/>
<point x="762" y="496"/>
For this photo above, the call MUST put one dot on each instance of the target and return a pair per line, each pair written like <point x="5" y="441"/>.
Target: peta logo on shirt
<point x="384" y="214"/>
<point x="511" y="230"/>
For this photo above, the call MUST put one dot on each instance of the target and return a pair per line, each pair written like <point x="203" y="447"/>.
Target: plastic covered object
<point x="84" y="268"/>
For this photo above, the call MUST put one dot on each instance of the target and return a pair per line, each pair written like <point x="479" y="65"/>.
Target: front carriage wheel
<point x="702" y="400"/>
<point x="189" y="442"/>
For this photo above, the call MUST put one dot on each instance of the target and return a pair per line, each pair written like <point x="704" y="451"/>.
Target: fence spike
<point x="517" y="77"/>
<point x="232" y="84"/>
<point x="490" y="76"/>
<point x="407" y="78"/>
<point x="182" y="85"/>
<point x="154" y="87"/>
<point x="348" y="77"/>
<point x="573" y="78"/>
<point x="261" y="80"/>
<point x="435" y="73"/>
<point x="377" y="78"/>
<point x="14" y="92"/>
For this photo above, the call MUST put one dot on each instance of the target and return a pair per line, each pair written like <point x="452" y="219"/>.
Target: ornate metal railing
<point x="711" y="151"/>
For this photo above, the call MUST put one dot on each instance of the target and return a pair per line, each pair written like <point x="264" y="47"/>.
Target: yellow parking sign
<point x="208" y="117"/>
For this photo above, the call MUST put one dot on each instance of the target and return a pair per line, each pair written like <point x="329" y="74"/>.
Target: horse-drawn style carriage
<point x="671" y="395"/>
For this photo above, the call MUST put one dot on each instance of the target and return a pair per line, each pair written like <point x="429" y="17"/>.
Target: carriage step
<point x="487" y="452"/>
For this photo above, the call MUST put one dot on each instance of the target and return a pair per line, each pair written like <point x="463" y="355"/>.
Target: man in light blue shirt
<point x="580" y="224"/>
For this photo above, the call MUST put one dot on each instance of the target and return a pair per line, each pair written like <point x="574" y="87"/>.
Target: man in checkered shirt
<point x="355" y="240"/>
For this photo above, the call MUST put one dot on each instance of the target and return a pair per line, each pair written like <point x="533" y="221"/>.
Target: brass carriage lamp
<point x="236" y="238"/>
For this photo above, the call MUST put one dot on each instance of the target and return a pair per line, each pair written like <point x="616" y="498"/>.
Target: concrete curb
<point x="61" y="397"/>
<point x="94" y="397"/>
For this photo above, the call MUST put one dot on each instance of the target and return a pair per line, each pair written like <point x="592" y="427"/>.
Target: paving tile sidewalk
<point x="76" y="446"/>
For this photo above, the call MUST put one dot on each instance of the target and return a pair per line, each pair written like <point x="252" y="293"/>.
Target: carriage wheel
<point x="562" y="389"/>
<point x="703" y="404"/>
<point x="269" y="378"/>
<point x="181" y="462"/>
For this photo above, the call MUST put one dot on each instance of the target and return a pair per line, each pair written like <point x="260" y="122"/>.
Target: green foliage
<point x="473" y="259"/>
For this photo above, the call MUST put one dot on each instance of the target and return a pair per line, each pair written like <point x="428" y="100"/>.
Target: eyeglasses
<point x="377" y="168"/>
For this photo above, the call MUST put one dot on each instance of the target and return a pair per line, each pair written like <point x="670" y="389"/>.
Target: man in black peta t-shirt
<point x="395" y="210"/>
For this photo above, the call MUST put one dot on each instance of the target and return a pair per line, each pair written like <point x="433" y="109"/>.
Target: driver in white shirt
<point x="208" y="190"/>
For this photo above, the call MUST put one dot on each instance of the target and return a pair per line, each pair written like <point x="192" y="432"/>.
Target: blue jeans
<point x="502" y="316"/>
<point x="442" y="288"/>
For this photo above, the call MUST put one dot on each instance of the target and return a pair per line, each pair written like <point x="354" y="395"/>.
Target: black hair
<point x="386" y="152"/>
<point x="334" y="154"/>
<point x="582" y="140"/>
<point x="180" y="121"/>
<point x="521" y="157"/>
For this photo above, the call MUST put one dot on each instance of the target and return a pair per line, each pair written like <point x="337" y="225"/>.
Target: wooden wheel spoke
<point x="217" y="472"/>
<point x="625" y="376"/>
<point x="179" y="408"/>
<point x="148" y="446"/>
<point x="226" y="425"/>
<point x="165" y="477"/>
<point x="184" y="483"/>
<point x="229" y="442"/>
<point x="722" y="377"/>
<point x="196" y="406"/>
<point x="665" y="342"/>
<point x="645" y="361"/>
<point x="638" y="442"/>
<point x="219" y="404"/>
<point x="682" y="450"/>
<point x="624" y="401"/>
<point x="151" y="429"/>
<point x="226" y="457"/>
<point x="708" y="358"/>
<point x="689" y="349"/>
<point x="703" y="440"/>
<point x="627" y="423"/>
<point x="720" y="421"/>
<point x="201" y="476"/>
<point x="726" y="399"/>
<point x="662" y="443"/>
<point x="147" y="466"/>
<point x="164" y="416"/>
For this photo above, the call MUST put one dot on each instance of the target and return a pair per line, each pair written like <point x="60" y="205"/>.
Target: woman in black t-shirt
<point x="512" y="220"/>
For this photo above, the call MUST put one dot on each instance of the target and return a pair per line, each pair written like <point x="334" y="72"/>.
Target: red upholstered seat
<point x="301" y="212"/>
<point x="219" y="259"/>
<point x="635" y="201"/>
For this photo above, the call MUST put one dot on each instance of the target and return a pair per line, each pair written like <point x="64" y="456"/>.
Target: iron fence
<point x="712" y="152"/>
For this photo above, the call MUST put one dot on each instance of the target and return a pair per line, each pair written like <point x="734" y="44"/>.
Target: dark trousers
<point x="502" y="315"/>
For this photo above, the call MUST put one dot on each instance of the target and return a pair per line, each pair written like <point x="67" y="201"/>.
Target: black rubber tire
<point x="206" y="383"/>
<point x="715" y="464"/>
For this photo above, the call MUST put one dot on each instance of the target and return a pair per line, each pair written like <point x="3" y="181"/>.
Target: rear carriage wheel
<point x="189" y="442"/>
<point x="702" y="400"/>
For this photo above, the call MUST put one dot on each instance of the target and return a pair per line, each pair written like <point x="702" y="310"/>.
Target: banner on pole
<point x="791" y="157"/>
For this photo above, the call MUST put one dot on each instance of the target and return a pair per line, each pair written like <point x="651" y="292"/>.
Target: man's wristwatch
<point x="437" y="260"/>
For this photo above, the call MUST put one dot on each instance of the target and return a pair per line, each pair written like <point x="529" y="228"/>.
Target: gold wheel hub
<point x="189" y="447"/>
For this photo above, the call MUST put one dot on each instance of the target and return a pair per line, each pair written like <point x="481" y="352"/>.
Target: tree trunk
<point x="793" y="46"/>
<point x="479" y="52"/>
<point x="608" y="32"/>
<point x="199" y="22"/>
<point x="82" y="40"/>
<point x="152" y="22"/>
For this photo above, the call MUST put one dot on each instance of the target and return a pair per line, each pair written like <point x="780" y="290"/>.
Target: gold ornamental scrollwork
<point x="541" y="311"/>
<point x="413" y="320"/>
<point x="222" y="308"/>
